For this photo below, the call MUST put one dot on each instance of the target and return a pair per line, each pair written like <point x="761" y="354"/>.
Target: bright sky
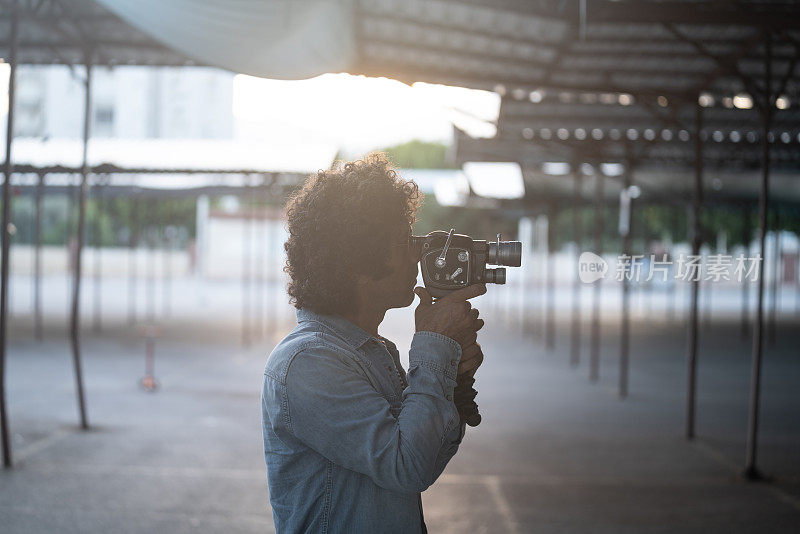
<point x="359" y="113"/>
<point x="355" y="113"/>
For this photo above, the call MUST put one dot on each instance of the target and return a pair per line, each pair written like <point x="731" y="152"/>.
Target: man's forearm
<point x="450" y="445"/>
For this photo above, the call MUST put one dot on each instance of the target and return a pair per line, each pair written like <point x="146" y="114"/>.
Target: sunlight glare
<point x="361" y="113"/>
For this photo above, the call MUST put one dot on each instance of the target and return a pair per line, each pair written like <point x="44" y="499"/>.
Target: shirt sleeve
<point x="449" y="448"/>
<point x="333" y="408"/>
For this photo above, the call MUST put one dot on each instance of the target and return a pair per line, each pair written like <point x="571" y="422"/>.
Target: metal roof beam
<point x="438" y="27"/>
<point x="464" y="53"/>
<point x="550" y="69"/>
<point x="790" y="69"/>
<point x="769" y="15"/>
<point x="727" y="65"/>
<point x="108" y="168"/>
<point x="447" y="76"/>
<point x="34" y="45"/>
<point x="92" y="50"/>
<point x="32" y="15"/>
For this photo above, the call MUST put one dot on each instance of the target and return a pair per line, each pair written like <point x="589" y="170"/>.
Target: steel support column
<point x="746" y="237"/>
<point x="550" y="323"/>
<point x="133" y="249"/>
<point x="751" y="471"/>
<point x="97" y="321"/>
<point x="37" y="259"/>
<point x="152" y="259"/>
<point x="672" y="297"/>
<point x="76" y="284"/>
<point x="775" y="282"/>
<point x="274" y="272"/>
<point x="259" y="262"/>
<point x="538" y="274"/>
<point x="6" y="235"/>
<point x="644" y="292"/>
<point x="624" y="347"/>
<point x="70" y="191"/>
<point x="247" y="237"/>
<point x="266" y="255"/>
<point x="708" y="291"/>
<point x="697" y="239"/>
<point x="599" y="219"/>
<point x="577" y="236"/>
<point x="167" y="244"/>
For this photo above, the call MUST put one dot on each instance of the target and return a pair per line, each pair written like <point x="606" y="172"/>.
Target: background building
<point x="128" y="102"/>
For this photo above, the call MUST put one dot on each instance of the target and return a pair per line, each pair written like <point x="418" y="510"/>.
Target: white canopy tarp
<point x="284" y="39"/>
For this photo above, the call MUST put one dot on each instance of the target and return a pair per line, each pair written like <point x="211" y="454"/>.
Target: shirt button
<point x="449" y="397"/>
<point x="453" y="363"/>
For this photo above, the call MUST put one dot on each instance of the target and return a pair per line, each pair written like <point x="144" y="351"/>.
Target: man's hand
<point x="452" y="315"/>
<point x="471" y="359"/>
<point x="464" y="398"/>
<point x="465" y="393"/>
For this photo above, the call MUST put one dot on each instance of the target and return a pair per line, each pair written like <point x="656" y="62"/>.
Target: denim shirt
<point x="350" y="439"/>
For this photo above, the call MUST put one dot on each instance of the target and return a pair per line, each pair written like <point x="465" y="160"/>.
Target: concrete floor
<point x="554" y="453"/>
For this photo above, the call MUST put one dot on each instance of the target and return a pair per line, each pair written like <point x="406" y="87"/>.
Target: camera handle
<point x="464" y="397"/>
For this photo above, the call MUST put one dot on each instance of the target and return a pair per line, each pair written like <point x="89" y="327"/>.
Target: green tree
<point x="420" y="155"/>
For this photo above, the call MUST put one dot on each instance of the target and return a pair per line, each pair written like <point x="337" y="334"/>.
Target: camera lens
<point x="509" y="253"/>
<point x="496" y="276"/>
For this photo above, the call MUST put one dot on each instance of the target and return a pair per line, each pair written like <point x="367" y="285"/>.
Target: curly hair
<point x="341" y="224"/>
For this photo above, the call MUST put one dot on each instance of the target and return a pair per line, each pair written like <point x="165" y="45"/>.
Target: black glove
<point x="464" y="398"/>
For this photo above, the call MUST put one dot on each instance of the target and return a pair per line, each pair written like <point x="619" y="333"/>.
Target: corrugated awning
<point x="627" y="73"/>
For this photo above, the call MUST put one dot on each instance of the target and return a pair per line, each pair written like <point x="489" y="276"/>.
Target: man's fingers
<point x="470" y="373"/>
<point x="465" y="293"/>
<point x="425" y="298"/>
<point x="473" y="314"/>
<point x="472" y="363"/>
<point x="478" y="324"/>
<point x="470" y="338"/>
<point x="470" y="352"/>
<point x="471" y="359"/>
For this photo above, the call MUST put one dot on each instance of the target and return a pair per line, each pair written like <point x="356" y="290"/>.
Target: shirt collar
<point x="351" y="333"/>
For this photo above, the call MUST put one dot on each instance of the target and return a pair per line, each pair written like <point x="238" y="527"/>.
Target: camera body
<point x="451" y="261"/>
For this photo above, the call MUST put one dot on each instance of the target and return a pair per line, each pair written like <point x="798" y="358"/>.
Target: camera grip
<point x="464" y="397"/>
<point x="463" y="394"/>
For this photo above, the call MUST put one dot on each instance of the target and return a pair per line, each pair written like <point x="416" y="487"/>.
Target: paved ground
<point x="554" y="453"/>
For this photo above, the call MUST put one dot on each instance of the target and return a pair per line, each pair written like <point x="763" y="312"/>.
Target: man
<point x="350" y="439"/>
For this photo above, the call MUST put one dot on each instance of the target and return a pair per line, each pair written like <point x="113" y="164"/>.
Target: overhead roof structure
<point x="63" y="31"/>
<point x="642" y="47"/>
<point x="585" y="124"/>
<point x="575" y="83"/>
<point x="648" y="48"/>
<point x="617" y="83"/>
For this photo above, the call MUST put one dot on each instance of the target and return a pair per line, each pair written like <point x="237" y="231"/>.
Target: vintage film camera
<point x="452" y="261"/>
